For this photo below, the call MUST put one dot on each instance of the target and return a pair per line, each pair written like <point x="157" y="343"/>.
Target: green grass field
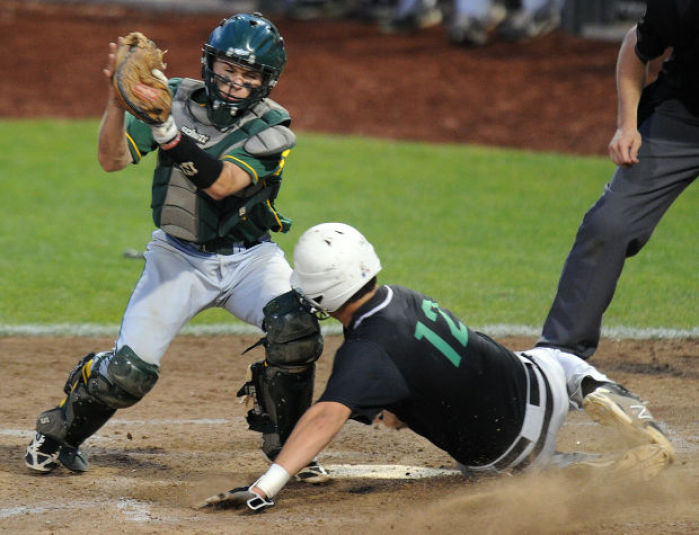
<point x="485" y="231"/>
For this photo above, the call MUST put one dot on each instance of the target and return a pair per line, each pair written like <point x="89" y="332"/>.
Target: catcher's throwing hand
<point x="139" y="83"/>
<point x="238" y="498"/>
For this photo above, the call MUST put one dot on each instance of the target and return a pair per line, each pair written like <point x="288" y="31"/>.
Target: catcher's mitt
<point x="138" y="79"/>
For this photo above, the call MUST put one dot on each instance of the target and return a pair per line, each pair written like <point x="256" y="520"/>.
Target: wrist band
<point x="272" y="481"/>
<point x="172" y="143"/>
<point x="199" y="167"/>
<point x="166" y="132"/>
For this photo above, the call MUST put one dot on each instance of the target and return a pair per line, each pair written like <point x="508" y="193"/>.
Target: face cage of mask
<point x="220" y="99"/>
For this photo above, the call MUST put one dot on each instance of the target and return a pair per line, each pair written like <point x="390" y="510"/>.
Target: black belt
<point x="222" y="246"/>
<point x="534" y="399"/>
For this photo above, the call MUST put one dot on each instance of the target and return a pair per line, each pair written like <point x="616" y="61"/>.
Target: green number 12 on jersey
<point x="458" y="331"/>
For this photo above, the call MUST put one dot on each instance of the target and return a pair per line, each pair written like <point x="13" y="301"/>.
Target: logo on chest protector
<point x="191" y="132"/>
<point x="188" y="168"/>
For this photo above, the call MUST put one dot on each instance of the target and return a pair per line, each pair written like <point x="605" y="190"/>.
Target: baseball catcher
<point x="221" y="145"/>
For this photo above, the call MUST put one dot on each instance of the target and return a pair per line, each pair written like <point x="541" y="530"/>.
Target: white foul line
<point x="329" y="329"/>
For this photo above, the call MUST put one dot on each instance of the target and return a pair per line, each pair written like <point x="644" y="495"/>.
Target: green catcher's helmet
<point x="251" y="41"/>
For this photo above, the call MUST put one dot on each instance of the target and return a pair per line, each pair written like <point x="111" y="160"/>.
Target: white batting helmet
<point x="332" y="261"/>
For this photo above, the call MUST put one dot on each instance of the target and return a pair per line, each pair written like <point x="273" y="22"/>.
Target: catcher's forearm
<point x="112" y="148"/>
<point x="217" y="178"/>
<point x="201" y="168"/>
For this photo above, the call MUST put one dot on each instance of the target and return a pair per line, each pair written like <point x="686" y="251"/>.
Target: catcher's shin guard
<point x="282" y="384"/>
<point x="80" y="414"/>
<point x="98" y="385"/>
<point x="281" y="397"/>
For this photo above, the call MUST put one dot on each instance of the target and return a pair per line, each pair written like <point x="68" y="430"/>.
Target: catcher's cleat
<point x="73" y="459"/>
<point x="42" y="454"/>
<point x="314" y="473"/>
<point x="611" y="404"/>
<point x="641" y="463"/>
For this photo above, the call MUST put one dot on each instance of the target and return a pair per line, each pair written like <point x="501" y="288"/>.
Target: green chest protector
<point x="189" y="214"/>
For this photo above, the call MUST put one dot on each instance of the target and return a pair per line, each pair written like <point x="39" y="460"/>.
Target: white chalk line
<point x="329" y="329"/>
<point x="122" y="421"/>
<point x="132" y="510"/>
<point x="386" y="471"/>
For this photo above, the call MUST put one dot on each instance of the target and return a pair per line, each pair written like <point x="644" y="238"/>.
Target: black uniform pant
<point x="619" y="225"/>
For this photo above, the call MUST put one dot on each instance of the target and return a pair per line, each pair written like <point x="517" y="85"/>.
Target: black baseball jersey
<point x="673" y="23"/>
<point x="456" y="387"/>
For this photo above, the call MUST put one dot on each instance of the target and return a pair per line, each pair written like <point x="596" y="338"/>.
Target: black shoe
<point x="42" y="454"/>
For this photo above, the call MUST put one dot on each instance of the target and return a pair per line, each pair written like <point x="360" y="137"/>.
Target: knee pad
<point x="293" y="333"/>
<point x="122" y="379"/>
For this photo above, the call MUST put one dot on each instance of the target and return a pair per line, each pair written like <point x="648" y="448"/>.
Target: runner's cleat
<point x="641" y="463"/>
<point x="612" y="405"/>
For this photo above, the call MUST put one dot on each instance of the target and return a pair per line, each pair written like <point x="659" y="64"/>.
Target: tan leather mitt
<point x="138" y="79"/>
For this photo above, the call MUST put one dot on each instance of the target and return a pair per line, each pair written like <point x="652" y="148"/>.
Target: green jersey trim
<point x="245" y="166"/>
<point x="133" y="148"/>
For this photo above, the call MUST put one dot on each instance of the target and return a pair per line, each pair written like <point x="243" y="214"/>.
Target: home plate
<point x="386" y="471"/>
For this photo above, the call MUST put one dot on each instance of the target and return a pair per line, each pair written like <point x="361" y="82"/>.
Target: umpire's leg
<point x="619" y="225"/>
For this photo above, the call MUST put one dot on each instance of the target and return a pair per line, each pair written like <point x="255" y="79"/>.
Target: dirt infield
<point x="188" y="438"/>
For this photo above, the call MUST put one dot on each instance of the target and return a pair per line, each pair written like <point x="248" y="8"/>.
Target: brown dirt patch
<point x="187" y="439"/>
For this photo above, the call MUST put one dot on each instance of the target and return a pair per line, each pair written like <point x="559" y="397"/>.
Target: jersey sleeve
<point x="365" y="379"/>
<point x="256" y="166"/>
<point x="656" y="30"/>
<point x="139" y="138"/>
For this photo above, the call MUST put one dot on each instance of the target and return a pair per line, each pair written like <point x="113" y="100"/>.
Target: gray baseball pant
<point x="619" y="225"/>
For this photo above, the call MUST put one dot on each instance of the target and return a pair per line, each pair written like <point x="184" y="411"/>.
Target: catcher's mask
<point x="332" y="261"/>
<point x="251" y="41"/>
